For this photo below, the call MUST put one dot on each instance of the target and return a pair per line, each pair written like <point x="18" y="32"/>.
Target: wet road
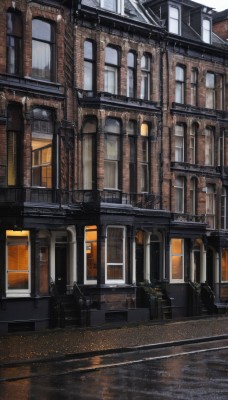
<point x="193" y="371"/>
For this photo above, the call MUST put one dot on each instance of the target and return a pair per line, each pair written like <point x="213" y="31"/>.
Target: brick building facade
<point x="113" y="162"/>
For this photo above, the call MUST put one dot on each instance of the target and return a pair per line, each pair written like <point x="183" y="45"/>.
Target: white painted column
<point x="216" y="273"/>
<point x="147" y="257"/>
<point x="203" y="264"/>
<point x="52" y="256"/>
<point x="72" y="256"/>
<point x="192" y="272"/>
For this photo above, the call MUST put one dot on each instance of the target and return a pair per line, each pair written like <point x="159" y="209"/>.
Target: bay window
<point x="111" y="82"/>
<point x="43" y="50"/>
<point x="112" y="154"/>
<point x="115" y="255"/>
<point x="14" y="43"/>
<point x="42" y="148"/>
<point x="177" y="260"/>
<point x="18" y="263"/>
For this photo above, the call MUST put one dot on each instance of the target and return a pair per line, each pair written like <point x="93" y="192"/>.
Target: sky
<point x="218" y="5"/>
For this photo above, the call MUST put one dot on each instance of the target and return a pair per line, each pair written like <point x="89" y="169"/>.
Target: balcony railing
<point x="64" y="197"/>
<point x="178" y="217"/>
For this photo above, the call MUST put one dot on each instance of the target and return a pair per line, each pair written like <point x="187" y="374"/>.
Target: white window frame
<point x="179" y="143"/>
<point x="119" y="6"/>
<point x="179" y="84"/>
<point x="19" y="292"/>
<point x="172" y="280"/>
<point x="115" y="281"/>
<point x="145" y="77"/>
<point x="194" y="87"/>
<point x="206" y="30"/>
<point x="174" y="20"/>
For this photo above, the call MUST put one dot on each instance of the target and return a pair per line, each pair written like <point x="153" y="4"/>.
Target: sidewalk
<point x="60" y="342"/>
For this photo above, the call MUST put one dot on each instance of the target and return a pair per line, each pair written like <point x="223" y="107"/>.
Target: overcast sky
<point x="218" y="5"/>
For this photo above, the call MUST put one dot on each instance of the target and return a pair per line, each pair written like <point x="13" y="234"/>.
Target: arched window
<point x="132" y="137"/>
<point x="112" y="177"/>
<point x="43" y="50"/>
<point x="180" y="194"/>
<point x="14" y="43"/>
<point x="89" y="130"/>
<point x="209" y="147"/>
<point x="193" y="185"/>
<point x="180" y="84"/>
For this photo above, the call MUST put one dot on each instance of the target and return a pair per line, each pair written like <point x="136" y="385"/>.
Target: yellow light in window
<point x="17" y="233"/>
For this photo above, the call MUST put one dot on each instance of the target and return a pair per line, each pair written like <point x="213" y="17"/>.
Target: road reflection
<point x="194" y="371"/>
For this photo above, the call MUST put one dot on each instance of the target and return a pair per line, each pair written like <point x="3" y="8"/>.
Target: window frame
<point x="131" y="75"/>
<point x="192" y="144"/>
<point x="180" y="82"/>
<point x="176" y="21"/>
<point x="194" y="87"/>
<point x="179" y="143"/>
<point x="179" y="186"/>
<point x="145" y="87"/>
<point x="225" y="250"/>
<point x="210" y="90"/>
<point x="23" y="237"/>
<point x="39" y="135"/>
<point x="133" y="173"/>
<point x="182" y="257"/>
<point x="209" y="147"/>
<point x="116" y="281"/>
<point x="119" y="6"/>
<point x="113" y="70"/>
<point x="192" y="190"/>
<point x="206" y="33"/>
<point x="210" y="206"/>
<point x="144" y="158"/>
<point x="91" y="136"/>
<point x="89" y="228"/>
<point x="51" y="44"/>
<point x="91" y="62"/>
<point x="14" y="43"/>
<point x="108" y="161"/>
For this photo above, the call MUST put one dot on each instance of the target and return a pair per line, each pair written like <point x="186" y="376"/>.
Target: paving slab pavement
<point x="55" y="343"/>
